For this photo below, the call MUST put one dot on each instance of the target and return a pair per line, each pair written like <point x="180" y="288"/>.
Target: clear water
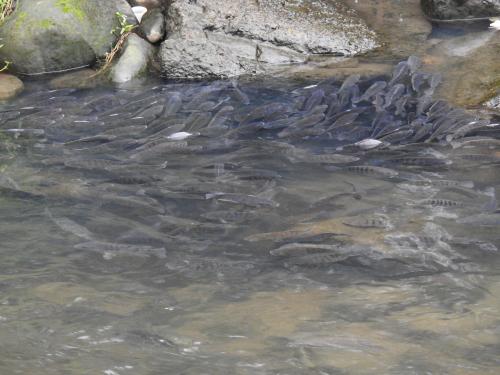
<point x="193" y="260"/>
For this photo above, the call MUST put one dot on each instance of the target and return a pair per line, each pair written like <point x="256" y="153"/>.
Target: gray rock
<point x="224" y="38"/>
<point x="150" y="4"/>
<point x="153" y="25"/>
<point x="134" y="60"/>
<point x="461" y="9"/>
<point x="10" y="86"/>
<point x="55" y="36"/>
<point x="81" y="79"/>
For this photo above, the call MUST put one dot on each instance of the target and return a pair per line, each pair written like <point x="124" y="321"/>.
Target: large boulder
<point x="461" y="9"/>
<point x="56" y="35"/>
<point x="224" y="38"/>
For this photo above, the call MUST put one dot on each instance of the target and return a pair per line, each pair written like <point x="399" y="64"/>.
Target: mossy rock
<point x="55" y="35"/>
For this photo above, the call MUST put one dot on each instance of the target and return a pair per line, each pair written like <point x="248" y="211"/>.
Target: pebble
<point x="10" y="86"/>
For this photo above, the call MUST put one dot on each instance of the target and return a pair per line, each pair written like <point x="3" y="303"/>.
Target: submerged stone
<point x="10" y="86"/>
<point x="82" y="79"/>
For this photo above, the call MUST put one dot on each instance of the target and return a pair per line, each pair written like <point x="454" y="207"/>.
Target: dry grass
<point x="110" y="56"/>
<point x="6" y="8"/>
<point x="123" y="32"/>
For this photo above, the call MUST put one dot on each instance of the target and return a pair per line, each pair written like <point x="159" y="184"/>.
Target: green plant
<point x="124" y="27"/>
<point x="122" y="32"/>
<point x="6" y="63"/>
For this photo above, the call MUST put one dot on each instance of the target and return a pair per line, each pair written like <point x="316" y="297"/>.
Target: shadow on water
<point x="261" y="227"/>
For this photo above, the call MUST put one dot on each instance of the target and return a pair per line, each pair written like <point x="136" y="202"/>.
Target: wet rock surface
<point x="153" y="25"/>
<point x="461" y="9"/>
<point x="82" y="79"/>
<point x="229" y="38"/>
<point x="134" y="60"/>
<point x="59" y="35"/>
<point x="10" y="86"/>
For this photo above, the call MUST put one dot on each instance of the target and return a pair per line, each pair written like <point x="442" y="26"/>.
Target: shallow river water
<point x="225" y="228"/>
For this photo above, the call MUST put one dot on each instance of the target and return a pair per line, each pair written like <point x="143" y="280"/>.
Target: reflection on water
<point x="217" y="228"/>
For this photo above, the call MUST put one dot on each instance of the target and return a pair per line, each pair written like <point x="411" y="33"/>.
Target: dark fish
<point x="349" y="82"/>
<point x="315" y="99"/>
<point x="111" y="250"/>
<point x="299" y="249"/>
<point x="93" y="164"/>
<point x="439" y="203"/>
<point x="344" y="119"/>
<point x="373" y="221"/>
<point x="371" y="170"/>
<point x="394" y="94"/>
<point x="197" y="121"/>
<point x="414" y="63"/>
<point x="220" y="118"/>
<point x="420" y="161"/>
<point x="400" y="73"/>
<point x="371" y="91"/>
<point x="240" y="94"/>
<point x="70" y="226"/>
<point x="173" y="104"/>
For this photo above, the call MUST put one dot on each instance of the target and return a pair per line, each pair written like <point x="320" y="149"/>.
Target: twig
<point x="111" y="55"/>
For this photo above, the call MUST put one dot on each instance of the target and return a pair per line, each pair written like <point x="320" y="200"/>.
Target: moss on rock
<point x="56" y="35"/>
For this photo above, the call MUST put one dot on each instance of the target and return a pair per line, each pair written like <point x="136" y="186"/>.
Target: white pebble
<point x="139" y="12"/>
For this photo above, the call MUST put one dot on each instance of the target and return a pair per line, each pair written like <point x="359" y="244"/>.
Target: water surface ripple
<point x="266" y="227"/>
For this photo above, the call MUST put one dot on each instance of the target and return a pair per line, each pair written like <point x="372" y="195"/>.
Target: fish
<point x="131" y="202"/>
<point x="483" y="219"/>
<point x="399" y="73"/>
<point x="420" y="161"/>
<point x="180" y="136"/>
<point x="70" y="226"/>
<point x="165" y="147"/>
<point x="369" y="170"/>
<point x="370" y="92"/>
<point x="300" y="249"/>
<point x="243" y="199"/>
<point x="320" y="259"/>
<point x="368" y="143"/>
<point x="435" y="202"/>
<point x="373" y="221"/>
<point x="393" y="94"/>
<point x="315" y="99"/>
<point x="221" y="117"/>
<point x="111" y="250"/>
<point x="240" y="94"/>
<point x="329" y="158"/>
<point x="94" y="164"/>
